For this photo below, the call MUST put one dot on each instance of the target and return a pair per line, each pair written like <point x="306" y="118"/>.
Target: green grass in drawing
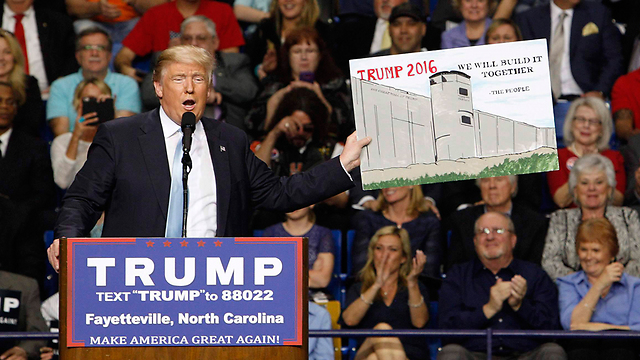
<point x="533" y="164"/>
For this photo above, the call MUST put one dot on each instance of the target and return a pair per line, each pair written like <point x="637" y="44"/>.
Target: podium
<point x="280" y="352"/>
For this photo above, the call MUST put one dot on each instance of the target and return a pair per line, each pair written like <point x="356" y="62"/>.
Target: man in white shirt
<point x="48" y="37"/>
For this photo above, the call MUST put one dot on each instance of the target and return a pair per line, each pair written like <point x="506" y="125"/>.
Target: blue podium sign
<point x="184" y="292"/>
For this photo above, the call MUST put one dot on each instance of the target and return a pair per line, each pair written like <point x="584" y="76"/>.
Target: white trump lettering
<point x="261" y="270"/>
<point x="101" y="265"/>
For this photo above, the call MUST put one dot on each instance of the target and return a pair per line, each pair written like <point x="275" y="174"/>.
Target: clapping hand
<point x="417" y="266"/>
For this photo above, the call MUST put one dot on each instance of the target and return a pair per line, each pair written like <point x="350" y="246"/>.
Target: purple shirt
<point x="320" y="239"/>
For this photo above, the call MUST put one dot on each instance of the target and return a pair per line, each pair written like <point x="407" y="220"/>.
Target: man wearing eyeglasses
<point x="93" y="51"/>
<point x="497" y="291"/>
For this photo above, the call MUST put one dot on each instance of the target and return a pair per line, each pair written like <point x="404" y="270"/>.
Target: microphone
<point x="188" y="126"/>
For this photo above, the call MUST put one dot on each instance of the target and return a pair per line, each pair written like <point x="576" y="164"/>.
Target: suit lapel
<point x="154" y="151"/>
<point x="218" y="150"/>
<point x="577" y="23"/>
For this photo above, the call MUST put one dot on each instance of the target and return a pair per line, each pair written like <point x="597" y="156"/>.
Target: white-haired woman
<point x="591" y="183"/>
<point x="587" y="129"/>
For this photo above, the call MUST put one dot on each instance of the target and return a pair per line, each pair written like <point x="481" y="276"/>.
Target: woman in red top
<point x="587" y="129"/>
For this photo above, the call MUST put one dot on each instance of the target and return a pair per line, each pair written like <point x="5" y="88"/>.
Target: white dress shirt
<point x="202" y="217"/>
<point x="34" y="52"/>
<point x="569" y="84"/>
<point x="5" y="141"/>
<point x="378" y="34"/>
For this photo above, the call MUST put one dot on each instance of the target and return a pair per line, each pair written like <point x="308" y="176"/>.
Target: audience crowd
<point x="531" y="252"/>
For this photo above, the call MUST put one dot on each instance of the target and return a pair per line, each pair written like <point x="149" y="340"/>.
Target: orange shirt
<point x="127" y="12"/>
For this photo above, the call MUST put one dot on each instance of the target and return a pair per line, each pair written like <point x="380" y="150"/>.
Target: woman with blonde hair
<point x="403" y="207"/>
<point x="389" y="296"/>
<point x="30" y="116"/>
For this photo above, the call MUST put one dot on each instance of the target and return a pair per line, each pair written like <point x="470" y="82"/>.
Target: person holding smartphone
<point x="304" y="61"/>
<point x="69" y="150"/>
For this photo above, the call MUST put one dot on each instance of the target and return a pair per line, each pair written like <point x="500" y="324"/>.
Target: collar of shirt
<point x="8" y="12"/>
<point x="508" y="213"/>
<point x="555" y="16"/>
<point x="172" y="135"/>
<point x="511" y="269"/>
<point x="5" y="141"/>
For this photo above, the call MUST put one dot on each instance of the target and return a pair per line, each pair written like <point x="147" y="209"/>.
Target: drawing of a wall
<point x="408" y="128"/>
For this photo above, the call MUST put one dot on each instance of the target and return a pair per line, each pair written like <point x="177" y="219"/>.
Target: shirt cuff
<point x="363" y="200"/>
<point x="345" y="170"/>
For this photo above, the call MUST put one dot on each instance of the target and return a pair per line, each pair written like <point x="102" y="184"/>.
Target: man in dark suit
<point x="128" y="173"/>
<point x="56" y="37"/>
<point x="497" y="192"/>
<point x="26" y="193"/>
<point x="594" y="59"/>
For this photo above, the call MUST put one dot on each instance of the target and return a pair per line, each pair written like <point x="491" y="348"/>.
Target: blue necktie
<point x="174" y="213"/>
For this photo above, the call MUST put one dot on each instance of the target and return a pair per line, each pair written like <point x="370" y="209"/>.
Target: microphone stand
<point x="186" y="169"/>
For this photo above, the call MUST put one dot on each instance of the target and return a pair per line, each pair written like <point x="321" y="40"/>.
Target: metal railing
<point x="488" y="333"/>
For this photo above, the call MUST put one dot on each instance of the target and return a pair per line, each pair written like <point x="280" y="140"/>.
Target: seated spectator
<point x="476" y="16"/>
<point x="497" y="194"/>
<point x="320" y="319"/>
<point x="69" y="150"/>
<point x="161" y="24"/>
<point x="305" y="62"/>
<point x="285" y="17"/>
<point x="360" y="35"/>
<point x="585" y="54"/>
<point x="389" y="296"/>
<point x="93" y="51"/>
<point x="117" y="17"/>
<point x="26" y="193"/>
<point x="591" y="185"/>
<point x="407" y="28"/>
<point x="47" y="41"/>
<point x="234" y="85"/>
<point x="50" y="309"/>
<point x="587" y="129"/>
<point x="625" y="105"/>
<point x="296" y="143"/>
<point x="302" y="223"/>
<point x="502" y="31"/>
<point x="600" y="296"/>
<point x="28" y="316"/>
<point x="403" y="207"/>
<point x="497" y="291"/>
<point x="29" y="118"/>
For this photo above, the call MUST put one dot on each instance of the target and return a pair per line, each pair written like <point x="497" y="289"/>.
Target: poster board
<point x="454" y="114"/>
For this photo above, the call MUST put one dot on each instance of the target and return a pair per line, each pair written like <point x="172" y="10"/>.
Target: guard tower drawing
<point x="410" y="129"/>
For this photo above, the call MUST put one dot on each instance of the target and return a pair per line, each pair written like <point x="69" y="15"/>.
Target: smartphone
<point x="104" y="109"/>
<point x="307" y="76"/>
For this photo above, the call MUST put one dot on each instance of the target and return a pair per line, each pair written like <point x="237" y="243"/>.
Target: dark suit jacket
<point x="531" y="230"/>
<point x="57" y="42"/>
<point x="26" y="191"/>
<point x="127" y="175"/>
<point x="354" y="34"/>
<point x="596" y="59"/>
<point x="30" y="318"/>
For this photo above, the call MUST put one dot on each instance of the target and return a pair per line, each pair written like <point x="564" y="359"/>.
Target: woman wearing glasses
<point x="592" y="183"/>
<point x="304" y="61"/>
<point x="587" y="129"/>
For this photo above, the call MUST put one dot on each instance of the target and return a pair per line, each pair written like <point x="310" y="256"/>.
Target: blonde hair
<point x="17" y="77"/>
<point x="104" y="88"/>
<point x="309" y="16"/>
<point x="186" y="54"/>
<point x="368" y="273"/>
<point x="417" y="203"/>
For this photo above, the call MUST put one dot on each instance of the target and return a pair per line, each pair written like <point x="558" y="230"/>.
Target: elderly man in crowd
<point x="233" y="84"/>
<point x="497" y="291"/>
<point x="133" y="172"/>
<point x="93" y="51"/>
<point x="497" y="195"/>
